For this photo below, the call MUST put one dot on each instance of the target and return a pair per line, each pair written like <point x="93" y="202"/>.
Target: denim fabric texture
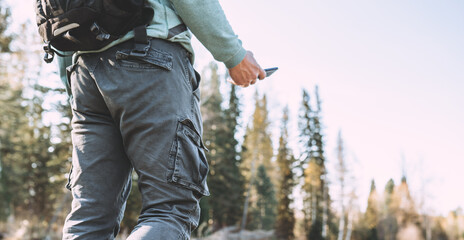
<point x="137" y="113"/>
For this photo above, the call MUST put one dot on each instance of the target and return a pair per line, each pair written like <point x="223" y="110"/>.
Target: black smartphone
<point x="270" y="71"/>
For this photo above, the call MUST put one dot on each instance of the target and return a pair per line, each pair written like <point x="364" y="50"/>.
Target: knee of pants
<point x="94" y="216"/>
<point x="154" y="224"/>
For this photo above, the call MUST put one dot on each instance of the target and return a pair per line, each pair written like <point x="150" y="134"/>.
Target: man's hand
<point x="246" y="72"/>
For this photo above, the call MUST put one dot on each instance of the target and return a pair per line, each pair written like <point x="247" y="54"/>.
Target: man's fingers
<point x="240" y="85"/>
<point x="233" y="82"/>
<point x="262" y="73"/>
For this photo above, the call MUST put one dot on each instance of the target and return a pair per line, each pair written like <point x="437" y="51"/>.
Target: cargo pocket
<point x="189" y="166"/>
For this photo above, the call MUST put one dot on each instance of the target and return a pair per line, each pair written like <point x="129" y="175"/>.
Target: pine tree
<point x="225" y="180"/>
<point x="45" y="153"/>
<point x="32" y="173"/>
<point x="388" y="225"/>
<point x="342" y="171"/>
<point x="5" y="39"/>
<point x="407" y="213"/>
<point x="12" y="119"/>
<point x="317" y="200"/>
<point x="11" y="115"/>
<point x="285" y="220"/>
<point x="438" y="231"/>
<point x="372" y="215"/>
<point x="229" y="201"/>
<point x="32" y="180"/>
<point x="257" y="143"/>
<point x="61" y="162"/>
<point x="263" y="213"/>
<point x="213" y="122"/>
<point x="256" y="151"/>
<point x="306" y="131"/>
<point x="313" y="187"/>
<point x="388" y="196"/>
<point x="38" y="151"/>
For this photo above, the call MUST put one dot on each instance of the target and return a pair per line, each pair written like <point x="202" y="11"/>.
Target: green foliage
<point x="389" y="188"/>
<point x="257" y="151"/>
<point x="263" y="214"/>
<point x="388" y="225"/>
<point x="12" y="119"/>
<point x="32" y="175"/>
<point x="438" y="232"/>
<point x="5" y="39"/>
<point x="285" y="220"/>
<point x="205" y="217"/>
<point x="315" y="230"/>
<point x="225" y="180"/>
<point x="38" y="152"/>
<point x="230" y="199"/>
<point x="212" y="123"/>
<point x="317" y="201"/>
<point x="33" y="154"/>
<point x="257" y="145"/>
<point x="133" y="206"/>
<point x="372" y="214"/>
<point x="306" y="131"/>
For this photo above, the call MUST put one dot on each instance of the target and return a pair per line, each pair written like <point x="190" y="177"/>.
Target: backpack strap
<point x="141" y="43"/>
<point x="50" y="53"/>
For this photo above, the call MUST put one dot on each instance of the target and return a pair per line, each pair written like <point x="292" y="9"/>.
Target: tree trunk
<point x="325" y="209"/>
<point x="349" y="227"/>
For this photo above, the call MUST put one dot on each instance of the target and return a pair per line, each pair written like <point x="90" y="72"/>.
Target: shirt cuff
<point x="236" y="59"/>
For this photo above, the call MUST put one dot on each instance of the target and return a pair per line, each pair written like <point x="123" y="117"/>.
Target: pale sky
<point x="390" y="75"/>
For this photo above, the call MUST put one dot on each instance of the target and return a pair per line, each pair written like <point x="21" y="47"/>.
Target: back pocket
<point x="189" y="167"/>
<point x="154" y="59"/>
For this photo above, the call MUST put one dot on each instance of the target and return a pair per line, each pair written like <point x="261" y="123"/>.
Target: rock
<point x="232" y="233"/>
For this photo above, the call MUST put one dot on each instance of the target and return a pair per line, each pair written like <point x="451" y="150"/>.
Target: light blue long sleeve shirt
<point x="204" y="18"/>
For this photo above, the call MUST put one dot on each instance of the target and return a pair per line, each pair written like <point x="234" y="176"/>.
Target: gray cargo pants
<point x="141" y="113"/>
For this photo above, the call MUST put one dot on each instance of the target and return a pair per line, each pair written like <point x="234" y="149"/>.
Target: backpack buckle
<point x="140" y="49"/>
<point x="49" y="53"/>
<point x="100" y="33"/>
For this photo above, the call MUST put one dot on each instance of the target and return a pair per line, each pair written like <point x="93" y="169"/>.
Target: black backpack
<point x="83" y="25"/>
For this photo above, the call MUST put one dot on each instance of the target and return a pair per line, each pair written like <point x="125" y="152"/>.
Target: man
<point x="142" y="112"/>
